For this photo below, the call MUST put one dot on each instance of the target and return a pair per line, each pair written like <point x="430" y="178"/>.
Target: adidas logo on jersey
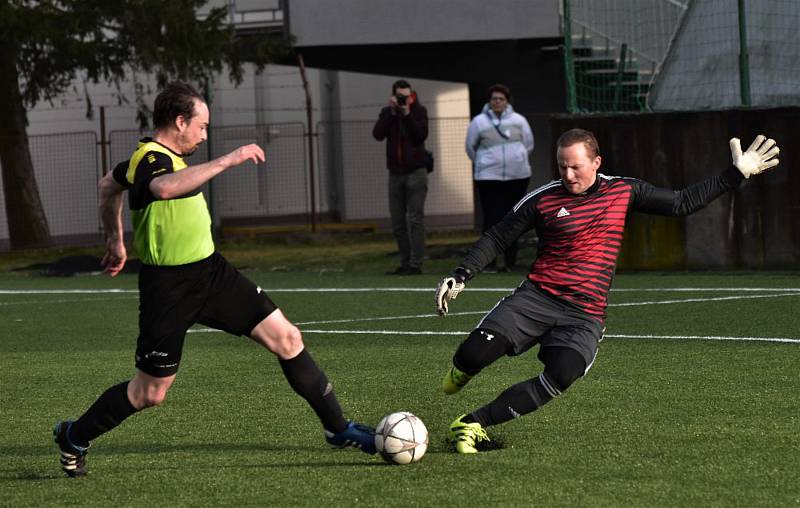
<point x="562" y="213"/>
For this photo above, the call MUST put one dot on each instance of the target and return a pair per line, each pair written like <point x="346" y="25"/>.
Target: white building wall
<point x="279" y="187"/>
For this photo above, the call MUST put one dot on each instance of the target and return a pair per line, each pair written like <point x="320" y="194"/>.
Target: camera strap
<point x="496" y="123"/>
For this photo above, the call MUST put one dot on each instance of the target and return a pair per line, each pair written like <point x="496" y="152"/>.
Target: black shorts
<point x="173" y="298"/>
<point x="528" y="316"/>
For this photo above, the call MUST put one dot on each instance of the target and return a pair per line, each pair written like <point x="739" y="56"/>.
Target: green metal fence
<point x="612" y="49"/>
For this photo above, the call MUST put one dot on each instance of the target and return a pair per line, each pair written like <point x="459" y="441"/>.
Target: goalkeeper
<point x="561" y="305"/>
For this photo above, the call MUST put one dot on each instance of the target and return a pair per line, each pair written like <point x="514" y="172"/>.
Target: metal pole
<point x="103" y="140"/>
<point x="309" y="119"/>
<point x="103" y="157"/>
<point x="620" y="75"/>
<point x="209" y="156"/>
<point x="569" y="65"/>
<point x="744" y="60"/>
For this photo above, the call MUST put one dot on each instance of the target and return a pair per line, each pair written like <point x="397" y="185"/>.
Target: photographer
<point x="404" y="126"/>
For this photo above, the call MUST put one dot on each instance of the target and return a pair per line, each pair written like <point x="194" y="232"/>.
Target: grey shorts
<point x="528" y="316"/>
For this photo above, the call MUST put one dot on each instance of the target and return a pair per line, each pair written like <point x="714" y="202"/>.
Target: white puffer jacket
<point x="499" y="147"/>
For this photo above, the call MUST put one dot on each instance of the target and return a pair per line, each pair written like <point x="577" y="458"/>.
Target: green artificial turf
<point x="656" y="422"/>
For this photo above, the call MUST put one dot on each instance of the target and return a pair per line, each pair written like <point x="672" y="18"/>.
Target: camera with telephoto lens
<point x="401" y="99"/>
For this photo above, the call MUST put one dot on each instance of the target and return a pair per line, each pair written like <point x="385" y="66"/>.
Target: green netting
<point x="730" y="54"/>
<point x="634" y="55"/>
<point x="615" y="47"/>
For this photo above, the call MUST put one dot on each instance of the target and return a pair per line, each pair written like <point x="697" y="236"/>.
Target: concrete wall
<point x="344" y="22"/>
<point x="757" y="226"/>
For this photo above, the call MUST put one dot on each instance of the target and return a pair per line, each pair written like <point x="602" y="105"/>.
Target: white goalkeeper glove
<point x="450" y="287"/>
<point x="757" y="158"/>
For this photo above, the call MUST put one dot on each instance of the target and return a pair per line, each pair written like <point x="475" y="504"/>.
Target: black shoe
<point x="397" y="271"/>
<point x="73" y="457"/>
<point x="410" y="270"/>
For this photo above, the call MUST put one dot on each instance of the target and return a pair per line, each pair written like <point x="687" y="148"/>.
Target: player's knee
<point x="148" y="396"/>
<point x="479" y="350"/>
<point x="288" y="342"/>
<point x="563" y="366"/>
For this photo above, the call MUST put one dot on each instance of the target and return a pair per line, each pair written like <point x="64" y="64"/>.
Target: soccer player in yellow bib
<point x="183" y="280"/>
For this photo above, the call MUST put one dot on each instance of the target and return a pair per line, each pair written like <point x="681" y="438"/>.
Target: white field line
<point x="72" y="300"/>
<point x="705" y="337"/>
<point x="785" y="291"/>
<point x="782" y="293"/>
<point x="607" y="336"/>
<point x="64" y="291"/>
<point x="417" y="316"/>
<point x="482" y="312"/>
<point x="713" y="299"/>
<point x="396" y="289"/>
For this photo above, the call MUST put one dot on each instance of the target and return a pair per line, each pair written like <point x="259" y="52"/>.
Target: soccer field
<point x="694" y="399"/>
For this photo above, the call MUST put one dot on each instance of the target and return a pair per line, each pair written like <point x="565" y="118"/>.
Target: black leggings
<point x="483" y="347"/>
<point x="497" y="199"/>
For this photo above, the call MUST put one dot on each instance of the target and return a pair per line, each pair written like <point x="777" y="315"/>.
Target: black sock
<point x="468" y="418"/>
<point x="306" y="378"/>
<point x="518" y="400"/>
<point x="108" y="411"/>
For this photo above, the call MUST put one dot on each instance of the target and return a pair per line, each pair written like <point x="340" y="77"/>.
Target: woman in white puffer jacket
<point x="499" y="143"/>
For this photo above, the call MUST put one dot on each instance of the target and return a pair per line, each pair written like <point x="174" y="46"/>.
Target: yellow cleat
<point x="454" y="381"/>
<point x="465" y="435"/>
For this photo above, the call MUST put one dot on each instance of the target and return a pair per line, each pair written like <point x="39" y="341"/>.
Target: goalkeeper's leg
<point x="478" y="351"/>
<point x="563" y="366"/>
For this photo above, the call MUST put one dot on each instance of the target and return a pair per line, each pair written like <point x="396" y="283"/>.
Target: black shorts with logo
<point x="529" y="316"/>
<point x="173" y="298"/>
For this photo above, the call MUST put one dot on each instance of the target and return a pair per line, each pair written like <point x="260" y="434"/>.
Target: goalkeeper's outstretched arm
<point x="760" y="156"/>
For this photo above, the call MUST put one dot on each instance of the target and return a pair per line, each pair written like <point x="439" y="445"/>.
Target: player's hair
<point x="176" y="99"/>
<point x="574" y="136"/>
<point x="400" y="83"/>
<point x="503" y="89"/>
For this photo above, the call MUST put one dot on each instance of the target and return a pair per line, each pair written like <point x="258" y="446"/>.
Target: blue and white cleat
<point x="355" y="435"/>
<point x="73" y="457"/>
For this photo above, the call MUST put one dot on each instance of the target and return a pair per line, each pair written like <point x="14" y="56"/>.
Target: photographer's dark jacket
<point x="405" y="137"/>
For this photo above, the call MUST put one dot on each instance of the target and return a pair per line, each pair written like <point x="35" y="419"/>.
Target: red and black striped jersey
<point x="580" y="235"/>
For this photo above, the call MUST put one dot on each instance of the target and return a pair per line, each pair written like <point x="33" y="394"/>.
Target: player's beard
<point x="191" y="150"/>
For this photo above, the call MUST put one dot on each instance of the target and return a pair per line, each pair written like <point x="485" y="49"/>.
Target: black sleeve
<point x="416" y="125"/>
<point x="520" y="219"/>
<point x="152" y="165"/>
<point x="659" y="201"/>
<point x="120" y="173"/>
<point x="381" y="129"/>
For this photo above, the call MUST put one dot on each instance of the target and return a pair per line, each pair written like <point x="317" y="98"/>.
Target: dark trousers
<point x="497" y="199"/>
<point x="407" y="207"/>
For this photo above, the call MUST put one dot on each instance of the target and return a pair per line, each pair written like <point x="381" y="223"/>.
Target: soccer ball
<point x="401" y="438"/>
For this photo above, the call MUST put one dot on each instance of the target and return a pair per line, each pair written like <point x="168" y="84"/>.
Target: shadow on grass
<point x="483" y="446"/>
<point x="318" y="461"/>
